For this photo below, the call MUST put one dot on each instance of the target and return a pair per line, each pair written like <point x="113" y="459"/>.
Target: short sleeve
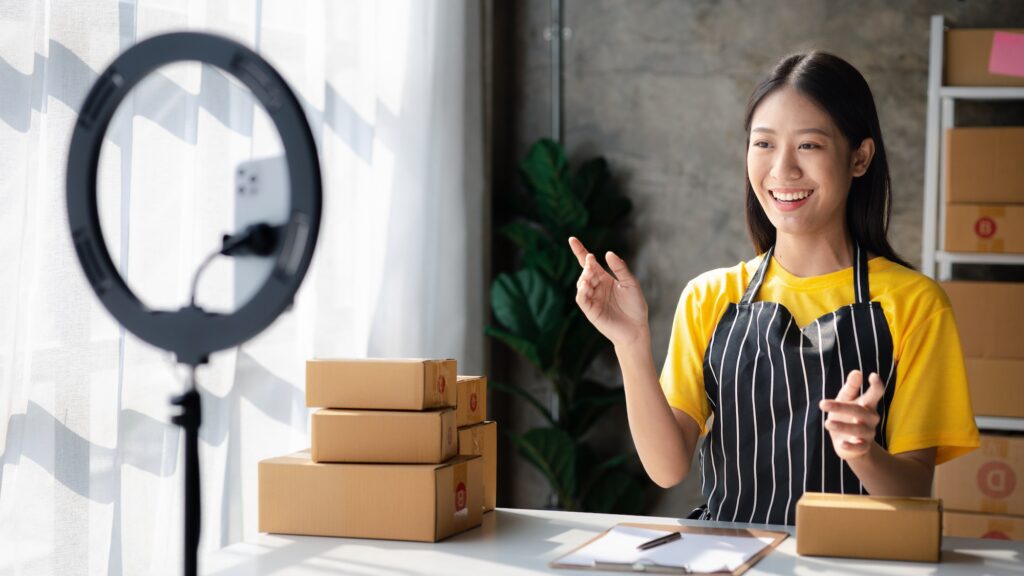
<point x="682" y="377"/>
<point x="932" y="405"/>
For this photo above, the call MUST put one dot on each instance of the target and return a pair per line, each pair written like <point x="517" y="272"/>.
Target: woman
<point x="824" y="364"/>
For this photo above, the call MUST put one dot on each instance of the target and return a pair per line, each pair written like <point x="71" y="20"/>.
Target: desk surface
<point x="523" y="542"/>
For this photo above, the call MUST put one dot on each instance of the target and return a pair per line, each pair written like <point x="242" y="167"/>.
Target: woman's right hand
<point x="615" y="305"/>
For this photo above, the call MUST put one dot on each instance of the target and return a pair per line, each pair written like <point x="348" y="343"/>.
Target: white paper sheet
<point x="697" y="552"/>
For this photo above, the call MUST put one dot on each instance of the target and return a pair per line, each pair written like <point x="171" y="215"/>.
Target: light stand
<point x="192" y="333"/>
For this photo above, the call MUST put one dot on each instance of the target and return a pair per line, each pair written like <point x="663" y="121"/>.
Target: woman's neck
<point x="815" y="254"/>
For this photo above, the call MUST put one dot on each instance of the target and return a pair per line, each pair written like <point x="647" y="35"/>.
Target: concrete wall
<point x="659" y="88"/>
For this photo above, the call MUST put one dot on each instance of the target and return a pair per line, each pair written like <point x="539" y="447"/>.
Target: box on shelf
<point x="389" y="436"/>
<point x="983" y="165"/>
<point x="380" y="384"/>
<point x="988" y="316"/>
<point x="421" y="502"/>
<point x="876" y="527"/>
<point x="471" y="400"/>
<point x="985" y="228"/>
<point x="968" y="53"/>
<point x="997" y="386"/>
<point x="993" y="526"/>
<point x="482" y="440"/>
<point x="989" y="479"/>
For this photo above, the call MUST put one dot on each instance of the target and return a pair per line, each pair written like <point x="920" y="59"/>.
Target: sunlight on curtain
<point x="90" y="481"/>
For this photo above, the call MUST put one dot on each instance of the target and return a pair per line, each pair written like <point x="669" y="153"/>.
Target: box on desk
<point x="421" y="502"/>
<point x="876" y="527"/>
<point x="380" y="384"/>
<point x="989" y="479"/>
<point x="985" y="228"/>
<point x="387" y="436"/>
<point x="997" y="386"/>
<point x="471" y="400"/>
<point x="988" y="317"/>
<point x="482" y="440"/>
<point x="983" y="165"/>
<point x="991" y="526"/>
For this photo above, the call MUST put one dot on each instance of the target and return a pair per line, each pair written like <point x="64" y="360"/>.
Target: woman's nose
<point x="785" y="167"/>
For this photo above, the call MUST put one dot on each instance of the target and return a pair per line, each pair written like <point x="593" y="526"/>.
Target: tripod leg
<point x="190" y="419"/>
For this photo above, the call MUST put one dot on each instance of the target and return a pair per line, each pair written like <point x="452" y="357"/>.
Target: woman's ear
<point x="860" y="160"/>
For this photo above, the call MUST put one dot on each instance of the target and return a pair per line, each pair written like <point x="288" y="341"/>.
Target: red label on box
<point x="460" y="496"/>
<point x="995" y="535"/>
<point x="472" y="402"/>
<point x="996" y="479"/>
<point x="985" y="227"/>
<point x="440" y="383"/>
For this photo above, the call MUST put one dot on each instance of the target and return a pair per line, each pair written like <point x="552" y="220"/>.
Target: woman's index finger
<point x="578" y="250"/>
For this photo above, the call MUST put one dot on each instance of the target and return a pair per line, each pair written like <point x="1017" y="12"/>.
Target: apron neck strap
<point x="755" y="283"/>
<point x="860" y="276"/>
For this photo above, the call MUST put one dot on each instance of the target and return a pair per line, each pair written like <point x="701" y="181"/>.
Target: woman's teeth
<point x="791" y="196"/>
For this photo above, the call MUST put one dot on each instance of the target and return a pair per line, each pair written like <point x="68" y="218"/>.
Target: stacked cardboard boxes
<point x="980" y="491"/>
<point x="385" y="459"/>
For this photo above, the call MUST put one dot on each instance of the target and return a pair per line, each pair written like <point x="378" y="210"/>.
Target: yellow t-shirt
<point x="931" y="406"/>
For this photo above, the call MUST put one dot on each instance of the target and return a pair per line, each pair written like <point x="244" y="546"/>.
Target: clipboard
<point x="770" y="540"/>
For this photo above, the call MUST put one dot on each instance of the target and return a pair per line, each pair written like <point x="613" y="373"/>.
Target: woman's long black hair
<point x="838" y="88"/>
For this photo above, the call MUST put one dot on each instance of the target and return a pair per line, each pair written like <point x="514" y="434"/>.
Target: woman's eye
<point x="760" y="144"/>
<point x="809" y="146"/>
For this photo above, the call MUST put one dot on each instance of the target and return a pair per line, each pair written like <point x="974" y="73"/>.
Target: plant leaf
<point x="530" y="307"/>
<point x="525" y="347"/>
<point x="616" y="491"/>
<point x="545" y="169"/>
<point x="551" y="451"/>
<point x="591" y="401"/>
<point x="591" y="179"/>
<point x="513" y="390"/>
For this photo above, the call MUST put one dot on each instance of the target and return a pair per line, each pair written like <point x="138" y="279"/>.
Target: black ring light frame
<point x="192" y="333"/>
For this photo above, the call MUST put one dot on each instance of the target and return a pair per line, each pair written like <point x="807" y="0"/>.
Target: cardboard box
<point x="967" y="58"/>
<point x="985" y="228"/>
<point x="876" y="527"/>
<point x="422" y="502"/>
<point x="983" y="165"/>
<point x="990" y="526"/>
<point x="989" y="479"/>
<point x="384" y="436"/>
<point x="988" y="316"/>
<point x="482" y="440"/>
<point x="380" y="384"/>
<point x="997" y="386"/>
<point x="470" y="400"/>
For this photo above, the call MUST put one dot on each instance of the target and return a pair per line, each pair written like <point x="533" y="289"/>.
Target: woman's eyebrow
<point x="821" y="131"/>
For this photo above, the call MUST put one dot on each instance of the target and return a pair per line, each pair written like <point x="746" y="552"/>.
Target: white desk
<point x="522" y="542"/>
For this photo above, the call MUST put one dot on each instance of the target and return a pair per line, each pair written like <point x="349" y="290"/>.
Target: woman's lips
<point x="789" y="199"/>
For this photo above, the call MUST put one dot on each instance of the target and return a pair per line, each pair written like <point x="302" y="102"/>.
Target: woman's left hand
<point x="853" y="417"/>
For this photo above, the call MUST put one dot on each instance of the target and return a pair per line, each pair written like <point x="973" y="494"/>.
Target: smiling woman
<point x="824" y="364"/>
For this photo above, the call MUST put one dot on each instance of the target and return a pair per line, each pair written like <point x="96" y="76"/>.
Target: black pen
<point x="670" y="537"/>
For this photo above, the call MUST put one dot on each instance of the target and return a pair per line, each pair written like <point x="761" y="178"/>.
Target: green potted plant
<point x="537" y="317"/>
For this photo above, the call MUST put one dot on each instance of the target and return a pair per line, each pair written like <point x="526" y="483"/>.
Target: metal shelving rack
<point x="935" y="261"/>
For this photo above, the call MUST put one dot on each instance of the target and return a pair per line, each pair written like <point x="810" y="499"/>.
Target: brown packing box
<point x="988" y="316"/>
<point x="985" y="228"/>
<point x="994" y="526"/>
<point x="997" y="386"/>
<point x="380" y="384"/>
<point x="967" y="55"/>
<point x="384" y="436"/>
<point x="422" y="502"/>
<point x="482" y="440"/>
<point x="876" y="527"/>
<point x="983" y="165"/>
<point x="989" y="479"/>
<point x="471" y="400"/>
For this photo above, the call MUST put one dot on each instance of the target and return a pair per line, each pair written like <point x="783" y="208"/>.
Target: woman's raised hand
<point x="615" y="305"/>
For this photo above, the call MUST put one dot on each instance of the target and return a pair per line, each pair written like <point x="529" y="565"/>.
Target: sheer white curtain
<point x="91" y="480"/>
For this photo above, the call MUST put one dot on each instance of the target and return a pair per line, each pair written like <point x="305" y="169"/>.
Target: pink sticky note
<point x="1007" y="56"/>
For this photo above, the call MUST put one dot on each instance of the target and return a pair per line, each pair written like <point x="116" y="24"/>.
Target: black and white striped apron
<point x="764" y="377"/>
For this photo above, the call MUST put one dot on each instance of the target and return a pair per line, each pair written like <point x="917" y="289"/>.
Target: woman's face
<point x="800" y="165"/>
